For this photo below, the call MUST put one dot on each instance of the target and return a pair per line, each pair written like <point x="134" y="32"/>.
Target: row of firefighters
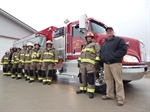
<point x="32" y="61"/>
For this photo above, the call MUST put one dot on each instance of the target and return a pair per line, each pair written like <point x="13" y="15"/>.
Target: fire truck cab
<point x="69" y="39"/>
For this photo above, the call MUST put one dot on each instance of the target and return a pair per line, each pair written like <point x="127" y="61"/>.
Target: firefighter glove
<point x="79" y="62"/>
<point x="97" y="65"/>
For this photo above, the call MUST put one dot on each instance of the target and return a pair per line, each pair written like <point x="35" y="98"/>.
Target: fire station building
<point x="11" y="29"/>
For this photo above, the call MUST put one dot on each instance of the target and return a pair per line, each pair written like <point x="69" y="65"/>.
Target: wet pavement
<point x="60" y="96"/>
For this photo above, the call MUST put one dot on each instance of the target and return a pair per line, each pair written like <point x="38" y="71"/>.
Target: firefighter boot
<point x="44" y="82"/>
<point x="91" y="95"/>
<point x="40" y="78"/>
<point x="80" y="91"/>
<point x="49" y="83"/>
<point x="44" y="77"/>
<point x="31" y="77"/>
<point x="30" y="81"/>
<point x="26" y="79"/>
<point x="13" y="75"/>
<point x="19" y="76"/>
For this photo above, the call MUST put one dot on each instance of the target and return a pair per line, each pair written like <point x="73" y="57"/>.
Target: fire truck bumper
<point x="131" y="73"/>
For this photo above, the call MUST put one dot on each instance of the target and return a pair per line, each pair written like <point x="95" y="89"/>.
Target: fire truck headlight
<point x="129" y="58"/>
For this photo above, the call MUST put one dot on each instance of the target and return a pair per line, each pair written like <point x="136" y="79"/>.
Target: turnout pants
<point x="14" y="70"/>
<point x="35" y="66"/>
<point x="87" y="71"/>
<point x="27" y="70"/>
<point x="9" y="69"/>
<point x="80" y="76"/>
<point x="5" y="71"/>
<point x="113" y="72"/>
<point x="20" y="67"/>
<point x="47" y="71"/>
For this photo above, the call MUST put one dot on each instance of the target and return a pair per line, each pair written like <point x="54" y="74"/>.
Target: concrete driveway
<point x="21" y="96"/>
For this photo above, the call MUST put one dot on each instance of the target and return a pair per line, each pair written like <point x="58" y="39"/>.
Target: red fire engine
<point x="69" y="39"/>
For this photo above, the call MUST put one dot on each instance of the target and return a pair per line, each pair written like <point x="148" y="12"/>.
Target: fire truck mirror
<point x="73" y="51"/>
<point x="83" y="23"/>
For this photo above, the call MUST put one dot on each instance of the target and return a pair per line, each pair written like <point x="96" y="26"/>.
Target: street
<point x="60" y="96"/>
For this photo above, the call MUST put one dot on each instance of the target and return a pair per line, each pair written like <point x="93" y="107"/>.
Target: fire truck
<point x="69" y="39"/>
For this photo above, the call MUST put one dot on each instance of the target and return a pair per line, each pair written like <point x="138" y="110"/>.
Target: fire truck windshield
<point x="97" y="27"/>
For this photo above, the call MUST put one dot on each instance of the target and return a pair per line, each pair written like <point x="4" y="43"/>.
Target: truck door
<point x="78" y="39"/>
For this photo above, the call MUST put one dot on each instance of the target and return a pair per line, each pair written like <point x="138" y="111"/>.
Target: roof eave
<point x="17" y="21"/>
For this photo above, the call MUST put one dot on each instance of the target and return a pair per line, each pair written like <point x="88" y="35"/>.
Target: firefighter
<point x="89" y="62"/>
<point x="49" y="59"/>
<point x="79" y="75"/>
<point x="10" y="64"/>
<point x="5" y="62"/>
<point x="35" y="58"/>
<point x="27" y="60"/>
<point x="12" y="50"/>
<point x="21" y="61"/>
<point x="8" y="67"/>
<point x="15" y="62"/>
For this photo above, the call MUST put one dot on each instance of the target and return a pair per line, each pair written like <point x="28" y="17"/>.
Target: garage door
<point x="5" y="44"/>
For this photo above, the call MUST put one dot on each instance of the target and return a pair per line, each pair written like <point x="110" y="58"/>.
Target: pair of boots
<point x="44" y="83"/>
<point x="91" y="95"/>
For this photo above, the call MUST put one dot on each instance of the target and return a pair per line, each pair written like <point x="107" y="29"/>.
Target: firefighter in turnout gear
<point x="5" y="62"/>
<point x="35" y="58"/>
<point x="10" y="60"/>
<point x="21" y="61"/>
<point x="27" y="60"/>
<point x="79" y="75"/>
<point x="10" y="64"/>
<point x="15" y="62"/>
<point x="49" y="59"/>
<point x="89" y="62"/>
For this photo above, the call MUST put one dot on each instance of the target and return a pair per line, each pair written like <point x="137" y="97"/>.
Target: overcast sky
<point x="127" y="17"/>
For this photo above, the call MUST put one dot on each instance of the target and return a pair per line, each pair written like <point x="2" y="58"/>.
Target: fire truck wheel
<point x="100" y="89"/>
<point x="100" y="85"/>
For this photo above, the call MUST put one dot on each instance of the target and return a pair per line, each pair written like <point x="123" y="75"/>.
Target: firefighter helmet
<point x="89" y="34"/>
<point x="18" y="47"/>
<point x="7" y="52"/>
<point x="37" y="43"/>
<point x="29" y="44"/>
<point x="11" y="48"/>
<point x="24" y="45"/>
<point x="49" y="42"/>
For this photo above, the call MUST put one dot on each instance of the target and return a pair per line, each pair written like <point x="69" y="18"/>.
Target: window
<point x="41" y="39"/>
<point x="97" y="27"/>
<point x="76" y="33"/>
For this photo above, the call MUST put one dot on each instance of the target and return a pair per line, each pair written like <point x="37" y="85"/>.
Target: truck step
<point x="70" y="68"/>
